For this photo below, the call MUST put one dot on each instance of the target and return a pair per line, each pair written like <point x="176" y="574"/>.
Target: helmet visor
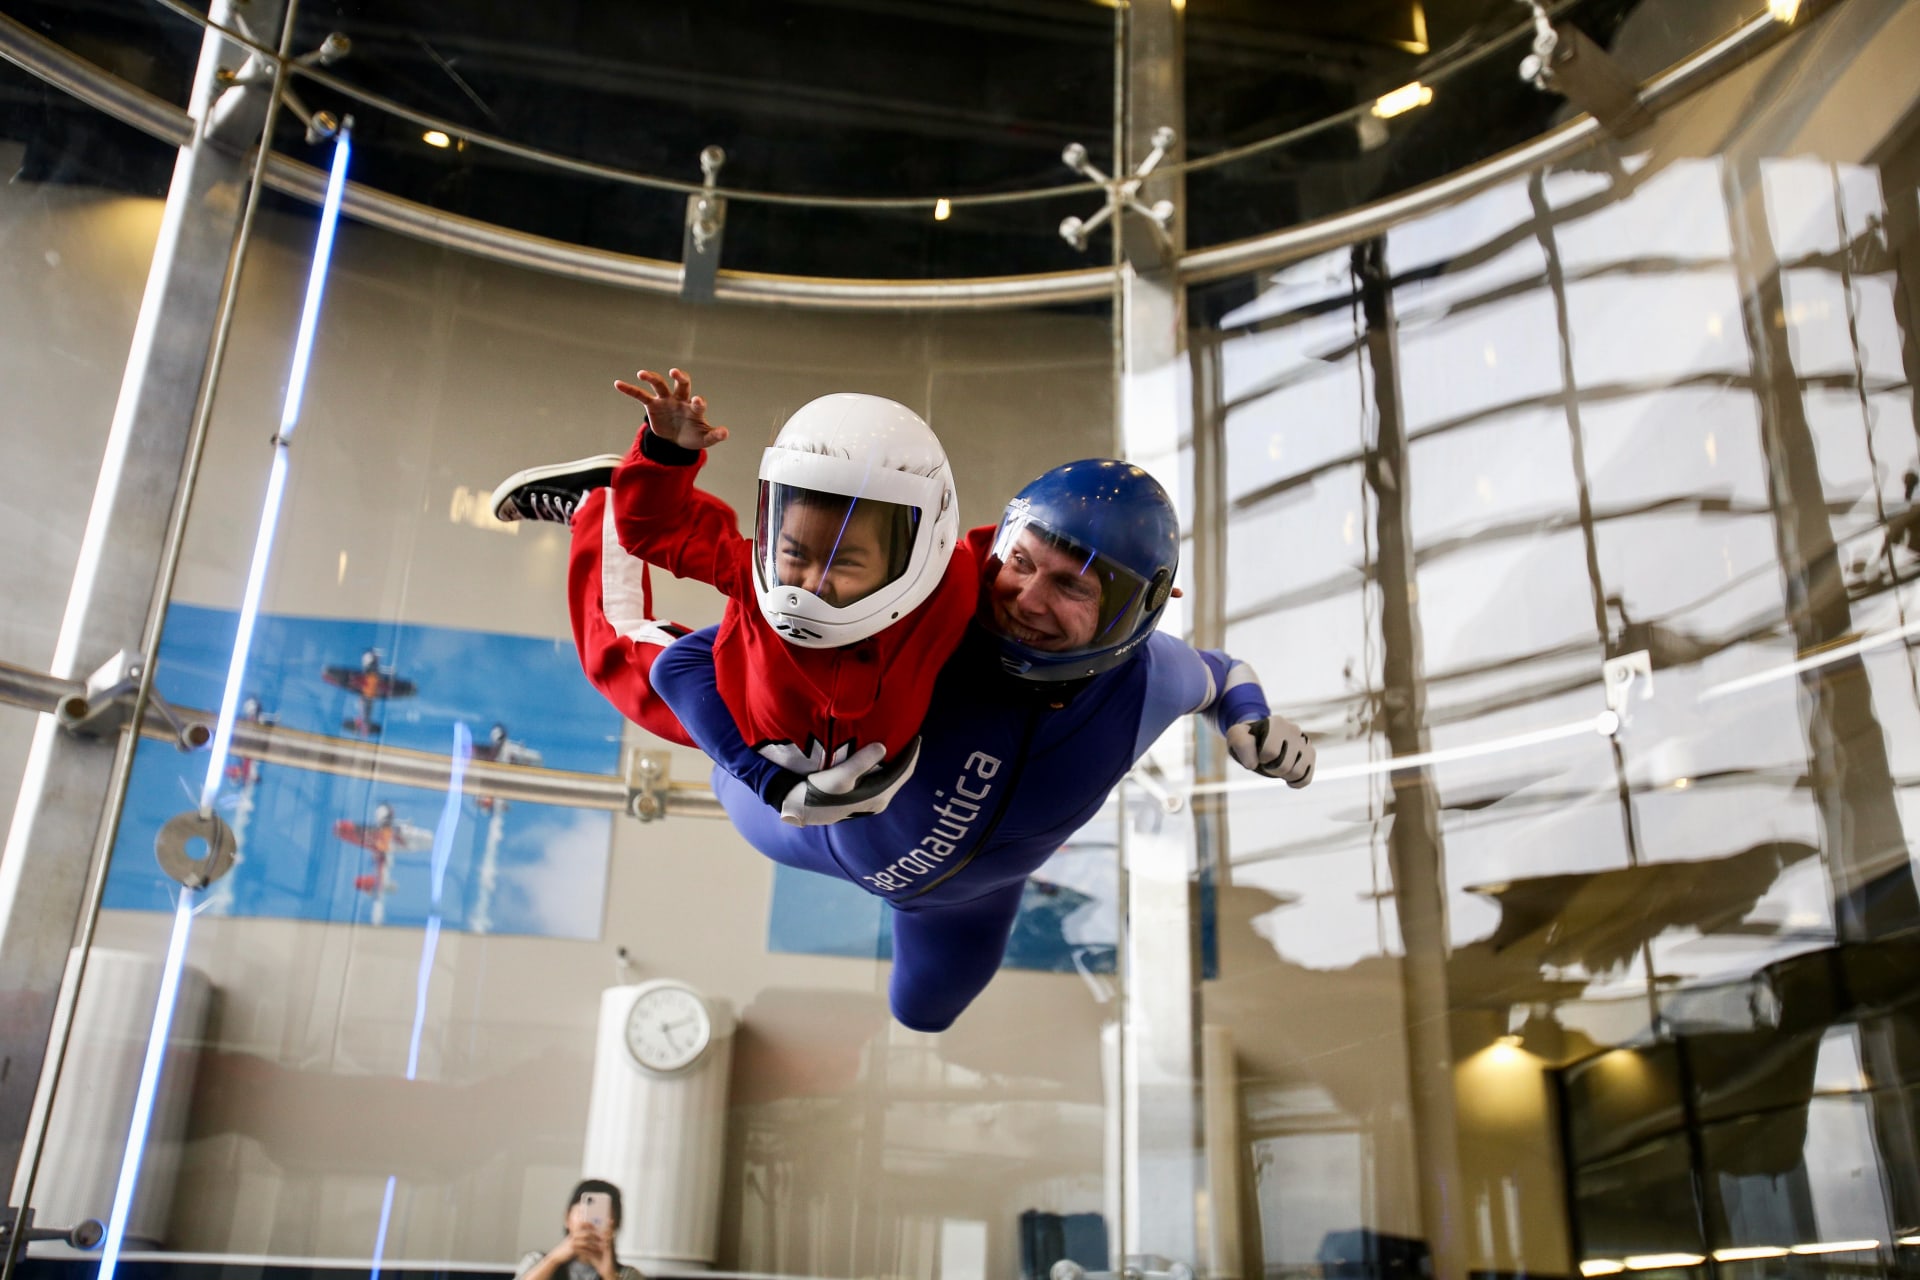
<point x="1053" y="594"/>
<point x="837" y="547"/>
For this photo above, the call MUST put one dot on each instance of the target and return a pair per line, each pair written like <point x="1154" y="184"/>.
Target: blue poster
<point x="1069" y="919"/>
<point x="316" y="846"/>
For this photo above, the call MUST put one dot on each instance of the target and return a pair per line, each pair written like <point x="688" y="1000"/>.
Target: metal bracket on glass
<point x="1620" y="675"/>
<point x="647" y="783"/>
<point x="706" y="223"/>
<point x="1134" y="1268"/>
<point x="241" y="108"/>
<point x="1154" y="781"/>
<point x="173" y="848"/>
<point x="1565" y="61"/>
<point x="1122" y="196"/>
<point x="84" y="1234"/>
<point x="107" y="705"/>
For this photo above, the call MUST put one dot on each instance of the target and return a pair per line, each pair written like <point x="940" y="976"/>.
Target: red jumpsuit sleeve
<point x="662" y="518"/>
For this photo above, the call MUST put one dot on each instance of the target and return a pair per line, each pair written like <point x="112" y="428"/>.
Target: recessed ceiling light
<point x="1403" y="99"/>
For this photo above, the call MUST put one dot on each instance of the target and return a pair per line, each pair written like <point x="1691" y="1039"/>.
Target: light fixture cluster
<point x="1745" y="1253"/>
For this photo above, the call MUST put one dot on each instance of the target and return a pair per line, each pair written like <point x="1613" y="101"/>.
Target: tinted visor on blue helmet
<point x="1061" y="600"/>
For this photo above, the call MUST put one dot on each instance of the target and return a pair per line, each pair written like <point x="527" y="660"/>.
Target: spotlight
<point x="942" y="209"/>
<point x="1403" y="99"/>
<point x="435" y="138"/>
<point x="1783" y="11"/>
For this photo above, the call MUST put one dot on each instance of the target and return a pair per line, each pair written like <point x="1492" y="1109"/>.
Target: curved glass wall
<point x="1631" y="436"/>
<point x="1568" y="517"/>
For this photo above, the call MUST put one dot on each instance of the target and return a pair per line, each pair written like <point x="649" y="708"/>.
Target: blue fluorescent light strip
<point x="149" y="1080"/>
<point x="316" y="283"/>
<point x="380" y="1239"/>
<point x="243" y="635"/>
<point x="442" y="848"/>
<point x="277" y="479"/>
<point x="223" y="733"/>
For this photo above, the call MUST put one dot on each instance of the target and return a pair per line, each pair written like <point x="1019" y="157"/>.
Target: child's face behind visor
<point x="837" y="558"/>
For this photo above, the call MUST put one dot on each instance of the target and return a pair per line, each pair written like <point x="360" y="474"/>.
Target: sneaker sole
<point x="501" y="501"/>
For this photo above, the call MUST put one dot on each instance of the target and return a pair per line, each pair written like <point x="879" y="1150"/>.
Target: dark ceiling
<point x="842" y="97"/>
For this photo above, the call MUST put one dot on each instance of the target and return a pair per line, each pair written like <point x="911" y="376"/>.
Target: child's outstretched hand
<point x="677" y="415"/>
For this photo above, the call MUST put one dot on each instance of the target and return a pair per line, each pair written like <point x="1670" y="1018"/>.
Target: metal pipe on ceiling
<point x="87" y="82"/>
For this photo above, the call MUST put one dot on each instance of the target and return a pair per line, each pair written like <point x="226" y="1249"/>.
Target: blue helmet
<point x="1081" y="568"/>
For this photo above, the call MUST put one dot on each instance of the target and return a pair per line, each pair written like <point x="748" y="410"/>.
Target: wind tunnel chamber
<point x="1542" y="435"/>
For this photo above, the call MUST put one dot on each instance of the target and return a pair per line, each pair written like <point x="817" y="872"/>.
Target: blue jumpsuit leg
<point x="759" y="823"/>
<point x="944" y="956"/>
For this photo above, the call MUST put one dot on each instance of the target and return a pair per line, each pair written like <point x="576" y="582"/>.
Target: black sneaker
<point x="552" y="492"/>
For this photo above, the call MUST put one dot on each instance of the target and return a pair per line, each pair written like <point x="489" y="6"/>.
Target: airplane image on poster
<point x="384" y="839"/>
<point x="499" y="748"/>
<point x="372" y="683"/>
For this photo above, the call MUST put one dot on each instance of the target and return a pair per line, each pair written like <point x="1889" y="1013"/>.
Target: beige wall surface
<point x="852" y="1141"/>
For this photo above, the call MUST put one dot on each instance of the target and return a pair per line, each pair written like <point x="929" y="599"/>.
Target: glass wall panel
<point x="78" y="220"/>
<point x="385" y="1047"/>
<point x="1629" y="437"/>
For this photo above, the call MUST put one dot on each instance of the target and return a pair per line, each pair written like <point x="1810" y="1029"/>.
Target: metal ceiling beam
<point x="58" y="66"/>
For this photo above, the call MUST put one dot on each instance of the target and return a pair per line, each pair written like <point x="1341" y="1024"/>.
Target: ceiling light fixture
<point x="1837" y="1246"/>
<point x="1663" y="1261"/>
<point x="1403" y="99"/>
<point x="435" y="138"/>
<point x="1601" y="1267"/>
<point x="1749" y="1253"/>
<point x="942" y="209"/>
<point x="1783" y="11"/>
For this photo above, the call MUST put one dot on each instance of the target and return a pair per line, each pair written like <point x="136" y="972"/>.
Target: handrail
<point x="1435" y="73"/>
<point x="54" y="64"/>
<point x="398" y="766"/>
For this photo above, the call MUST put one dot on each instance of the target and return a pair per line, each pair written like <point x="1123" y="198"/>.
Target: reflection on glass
<point x="1633" y="433"/>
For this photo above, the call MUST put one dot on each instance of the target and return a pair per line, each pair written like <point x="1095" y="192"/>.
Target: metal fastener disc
<point x="170" y="848"/>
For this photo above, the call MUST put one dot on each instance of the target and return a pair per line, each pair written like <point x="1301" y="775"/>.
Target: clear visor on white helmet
<point x="839" y="545"/>
<point x="838" y="548"/>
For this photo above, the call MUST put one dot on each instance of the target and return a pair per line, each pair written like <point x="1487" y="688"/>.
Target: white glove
<point x="857" y="786"/>
<point x="1273" y="748"/>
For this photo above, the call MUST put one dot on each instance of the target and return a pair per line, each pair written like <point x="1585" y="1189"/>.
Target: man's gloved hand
<point x="1274" y="747"/>
<point x="857" y="786"/>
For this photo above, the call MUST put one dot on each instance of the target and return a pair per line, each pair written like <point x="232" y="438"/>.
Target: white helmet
<point x="856" y="522"/>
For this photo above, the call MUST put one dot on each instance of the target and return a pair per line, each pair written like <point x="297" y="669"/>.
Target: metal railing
<point x="134" y="106"/>
<point x="351" y="758"/>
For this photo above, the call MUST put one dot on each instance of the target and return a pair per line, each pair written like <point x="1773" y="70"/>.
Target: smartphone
<point x="595" y="1208"/>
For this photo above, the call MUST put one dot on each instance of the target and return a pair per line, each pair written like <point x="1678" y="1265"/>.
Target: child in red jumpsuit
<point x="840" y="611"/>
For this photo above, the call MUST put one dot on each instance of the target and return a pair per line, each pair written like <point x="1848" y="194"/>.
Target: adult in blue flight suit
<point x="1061" y="685"/>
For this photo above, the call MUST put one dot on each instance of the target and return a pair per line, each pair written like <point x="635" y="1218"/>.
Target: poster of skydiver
<point x="316" y="846"/>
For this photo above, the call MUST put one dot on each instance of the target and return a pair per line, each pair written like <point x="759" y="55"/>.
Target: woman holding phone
<point x="586" y="1251"/>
